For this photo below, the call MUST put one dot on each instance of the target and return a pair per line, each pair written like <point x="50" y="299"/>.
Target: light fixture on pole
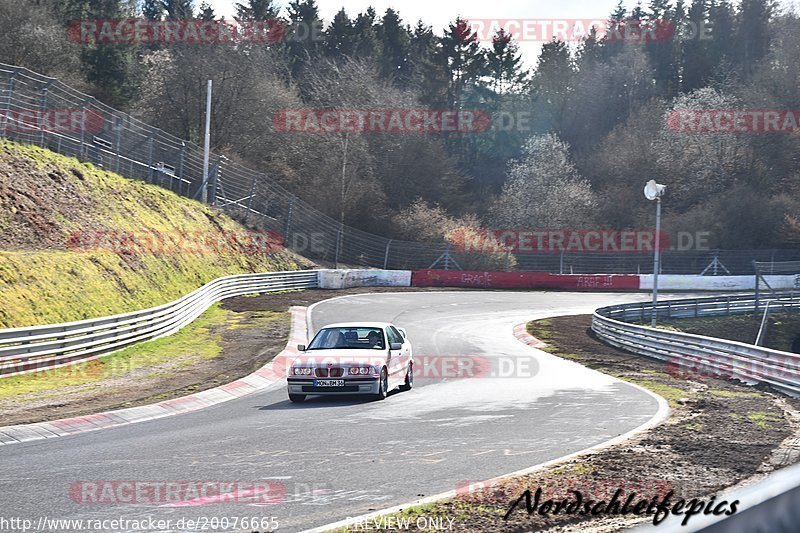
<point x="654" y="191"/>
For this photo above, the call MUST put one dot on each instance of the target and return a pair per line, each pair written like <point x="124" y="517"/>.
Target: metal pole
<point x="43" y="118"/>
<point x="83" y="126"/>
<point x="250" y="200"/>
<point x="118" y="139"/>
<point x="7" y="115"/>
<point x="338" y="240"/>
<point x="180" y="168"/>
<point x="150" y="177"/>
<point x="656" y="263"/>
<point x="206" y="144"/>
<point x="288" y="227"/>
<point x="386" y="254"/>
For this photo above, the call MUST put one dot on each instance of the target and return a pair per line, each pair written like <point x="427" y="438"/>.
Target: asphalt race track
<point x="334" y="458"/>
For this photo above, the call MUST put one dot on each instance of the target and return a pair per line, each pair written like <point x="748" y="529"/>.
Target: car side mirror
<point x="396" y="346"/>
<point x="301" y="347"/>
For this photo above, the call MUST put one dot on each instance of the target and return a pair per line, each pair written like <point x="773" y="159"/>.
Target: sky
<point x="438" y="13"/>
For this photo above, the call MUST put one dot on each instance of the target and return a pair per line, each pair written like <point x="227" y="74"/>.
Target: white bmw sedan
<point x="369" y="358"/>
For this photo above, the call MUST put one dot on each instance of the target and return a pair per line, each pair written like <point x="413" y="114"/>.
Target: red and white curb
<point x="520" y="332"/>
<point x="270" y="373"/>
<point x="522" y="335"/>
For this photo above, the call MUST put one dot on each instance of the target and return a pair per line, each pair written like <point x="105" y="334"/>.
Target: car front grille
<point x="334" y="372"/>
<point x="348" y="388"/>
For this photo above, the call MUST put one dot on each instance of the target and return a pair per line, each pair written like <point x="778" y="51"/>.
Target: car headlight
<point x="297" y="371"/>
<point x="359" y="370"/>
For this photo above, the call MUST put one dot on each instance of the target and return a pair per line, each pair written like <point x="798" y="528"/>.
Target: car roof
<point x="380" y="325"/>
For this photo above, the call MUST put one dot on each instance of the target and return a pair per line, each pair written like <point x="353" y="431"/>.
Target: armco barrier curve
<point x="37" y="348"/>
<point x="697" y="354"/>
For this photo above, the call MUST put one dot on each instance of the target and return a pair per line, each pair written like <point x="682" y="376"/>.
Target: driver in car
<point x="374" y="339"/>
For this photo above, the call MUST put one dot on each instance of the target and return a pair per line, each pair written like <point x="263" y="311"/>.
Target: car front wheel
<point x="383" y="386"/>
<point x="409" y="379"/>
<point x="297" y="398"/>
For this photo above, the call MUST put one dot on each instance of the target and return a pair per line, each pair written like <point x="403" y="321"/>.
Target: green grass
<point x="669" y="393"/>
<point x="762" y="419"/>
<point x="39" y="286"/>
<point x="193" y="343"/>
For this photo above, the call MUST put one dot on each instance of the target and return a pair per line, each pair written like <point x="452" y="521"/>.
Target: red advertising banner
<point x="523" y="280"/>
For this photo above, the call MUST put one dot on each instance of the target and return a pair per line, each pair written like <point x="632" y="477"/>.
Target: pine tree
<point x="696" y="64"/>
<point x="153" y="9"/>
<point x="107" y="66"/>
<point x="179" y="9"/>
<point x="339" y="37"/>
<point x="366" y="37"/>
<point x="552" y="83"/>
<point x="752" y="33"/>
<point x="394" y="61"/>
<point x="429" y="75"/>
<point x="304" y="30"/>
<point x="659" y="49"/>
<point x="461" y="54"/>
<point x="505" y="64"/>
<point x="256" y="10"/>
<point x="206" y="13"/>
<point x="721" y="24"/>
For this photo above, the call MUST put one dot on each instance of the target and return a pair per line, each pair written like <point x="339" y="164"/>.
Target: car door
<point x="395" y="364"/>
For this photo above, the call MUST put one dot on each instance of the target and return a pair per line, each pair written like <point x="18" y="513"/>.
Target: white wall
<point x="346" y="278"/>
<point x="716" y="283"/>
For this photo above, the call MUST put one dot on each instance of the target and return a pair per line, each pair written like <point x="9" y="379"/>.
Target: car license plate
<point x="329" y="383"/>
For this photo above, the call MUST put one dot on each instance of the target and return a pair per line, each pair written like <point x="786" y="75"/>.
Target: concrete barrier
<point x="716" y="283"/>
<point x="347" y="278"/>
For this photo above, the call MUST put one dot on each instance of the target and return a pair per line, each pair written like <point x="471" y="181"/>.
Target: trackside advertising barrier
<point x="523" y="280"/>
<point x="610" y="282"/>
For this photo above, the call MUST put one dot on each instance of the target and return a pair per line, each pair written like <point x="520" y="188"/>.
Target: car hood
<point x="317" y="358"/>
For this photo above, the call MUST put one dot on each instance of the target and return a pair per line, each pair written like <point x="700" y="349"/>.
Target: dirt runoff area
<point x="720" y="433"/>
<point x="229" y="341"/>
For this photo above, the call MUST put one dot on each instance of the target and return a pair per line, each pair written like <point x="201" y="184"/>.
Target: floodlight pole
<point x="656" y="262"/>
<point x="206" y="145"/>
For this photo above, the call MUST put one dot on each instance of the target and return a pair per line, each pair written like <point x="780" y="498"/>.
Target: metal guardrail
<point x="697" y="353"/>
<point x="37" y="348"/>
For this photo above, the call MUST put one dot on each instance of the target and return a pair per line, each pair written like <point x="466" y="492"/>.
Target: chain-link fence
<point x="43" y="111"/>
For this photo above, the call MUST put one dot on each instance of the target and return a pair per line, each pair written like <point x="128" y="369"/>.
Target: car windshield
<point x="349" y="338"/>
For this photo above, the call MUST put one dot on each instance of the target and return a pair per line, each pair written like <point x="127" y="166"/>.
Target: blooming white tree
<point x="544" y="189"/>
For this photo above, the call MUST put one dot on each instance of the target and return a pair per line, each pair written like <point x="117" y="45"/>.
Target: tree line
<point x="586" y="128"/>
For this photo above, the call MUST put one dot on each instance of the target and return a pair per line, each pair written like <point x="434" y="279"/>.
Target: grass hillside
<point x="51" y="269"/>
